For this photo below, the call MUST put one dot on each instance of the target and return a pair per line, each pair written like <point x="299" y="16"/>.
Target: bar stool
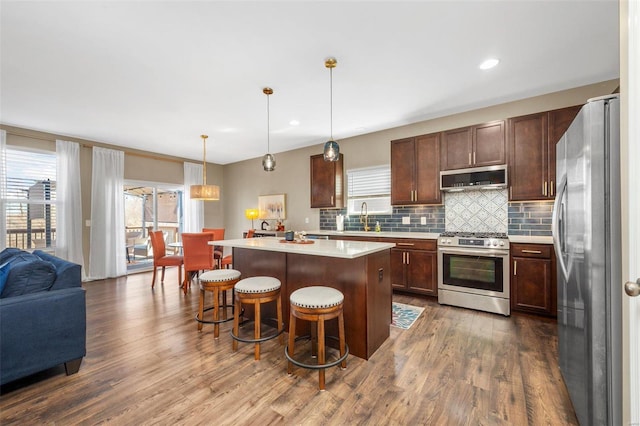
<point x="256" y="290"/>
<point x="316" y="303"/>
<point x="216" y="281"/>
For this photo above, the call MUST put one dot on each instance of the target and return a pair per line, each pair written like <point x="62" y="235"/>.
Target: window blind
<point x="30" y="198"/>
<point x="371" y="185"/>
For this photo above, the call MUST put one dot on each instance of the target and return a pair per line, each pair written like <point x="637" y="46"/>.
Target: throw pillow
<point x="4" y="274"/>
<point x="28" y="274"/>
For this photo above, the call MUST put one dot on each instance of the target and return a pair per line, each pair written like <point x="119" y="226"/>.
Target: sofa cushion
<point x="68" y="274"/>
<point x="28" y="274"/>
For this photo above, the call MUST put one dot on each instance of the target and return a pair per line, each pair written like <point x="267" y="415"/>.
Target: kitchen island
<point x="360" y="270"/>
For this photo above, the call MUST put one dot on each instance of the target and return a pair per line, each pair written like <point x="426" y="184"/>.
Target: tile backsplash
<point x="494" y="212"/>
<point x="434" y="218"/>
<point x="476" y="211"/>
<point x="531" y="218"/>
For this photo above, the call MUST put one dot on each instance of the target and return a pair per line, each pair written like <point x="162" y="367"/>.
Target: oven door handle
<point x="474" y="252"/>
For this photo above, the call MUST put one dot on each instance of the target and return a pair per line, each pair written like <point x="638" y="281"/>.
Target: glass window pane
<point x="30" y="199"/>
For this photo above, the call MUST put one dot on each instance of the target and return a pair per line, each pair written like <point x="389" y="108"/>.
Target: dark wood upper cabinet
<point x="532" y="148"/>
<point x="415" y="170"/>
<point x="489" y="147"/>
<point x="327" y="182"/>
<point x="474" y="146"/>
<point x="456" y="149"/>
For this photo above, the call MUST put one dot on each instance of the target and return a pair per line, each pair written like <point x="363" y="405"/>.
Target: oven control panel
<point x="474" y="242"/>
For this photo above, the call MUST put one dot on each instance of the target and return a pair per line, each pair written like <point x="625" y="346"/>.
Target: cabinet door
<point x="397" y="269"/>
<point x="402" y="171"/>
<point x="455" y="150"/>
<point x="559" y="122"/>
<point x="326" y="182"/>
<point x="528" y="152"/>
<point x="531" y="285"/>
<point x="428" y="169"/>
<point x="421" y="272"/>
<point x="489" y="144"/>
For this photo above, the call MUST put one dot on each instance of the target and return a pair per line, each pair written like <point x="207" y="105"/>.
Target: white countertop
<point x="425" y="235"/>
<point x="530" y="240"/>
<point x="329" y="248"/>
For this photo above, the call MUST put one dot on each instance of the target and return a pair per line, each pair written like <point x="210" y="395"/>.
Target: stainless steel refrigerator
<point x="586" y="236"/>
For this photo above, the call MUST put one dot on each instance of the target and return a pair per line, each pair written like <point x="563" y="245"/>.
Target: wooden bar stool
<point x="218" y="282"/>
<point x="256" y="290"/>
<point x="318" y="304"/>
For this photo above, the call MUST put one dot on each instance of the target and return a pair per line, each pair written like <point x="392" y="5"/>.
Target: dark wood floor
<point x="147" y="364"/>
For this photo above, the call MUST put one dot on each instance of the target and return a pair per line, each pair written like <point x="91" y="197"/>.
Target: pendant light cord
<point x="331" y="99"/>
<point x="204" y="160"/>
<point x="268" y="128"/>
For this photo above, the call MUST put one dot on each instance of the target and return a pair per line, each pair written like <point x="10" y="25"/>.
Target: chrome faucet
<point x="364" y="218"/>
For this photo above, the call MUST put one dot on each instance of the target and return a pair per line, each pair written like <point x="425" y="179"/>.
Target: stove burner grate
<point x="496" y="235"/>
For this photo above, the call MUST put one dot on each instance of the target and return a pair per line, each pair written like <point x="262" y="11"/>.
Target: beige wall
<point x="245" y="181"/>
<point x="138" y="165"/>
<point x="241" y="183"/>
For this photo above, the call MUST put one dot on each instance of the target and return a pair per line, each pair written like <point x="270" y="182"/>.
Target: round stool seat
<point x="220" y="275"/>
<point x="217" y="281"/>
<point x="315" y="297"/>
<point x="257" y="285"/>
<point x="256" y="291"/>
<point x="316" y="304"/>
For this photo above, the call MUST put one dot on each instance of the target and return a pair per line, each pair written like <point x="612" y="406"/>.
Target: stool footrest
<point x="260" y="340"/>
<point x="316" y="366"/>
<point x="232" y="307"/>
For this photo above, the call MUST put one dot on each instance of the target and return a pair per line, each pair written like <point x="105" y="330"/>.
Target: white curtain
<point x="193" y="209"/>
<point x="69" y="203"/>
<point x="3" y="189"/>
<point x="107" y="252"/>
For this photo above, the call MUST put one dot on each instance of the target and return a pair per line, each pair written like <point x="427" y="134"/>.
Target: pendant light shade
<point x="268" y="161"/>
<point x="204" y="192"/>
<point x="331" y="148"/>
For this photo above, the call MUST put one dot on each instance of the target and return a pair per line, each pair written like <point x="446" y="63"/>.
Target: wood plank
<point x="146" y="363"/>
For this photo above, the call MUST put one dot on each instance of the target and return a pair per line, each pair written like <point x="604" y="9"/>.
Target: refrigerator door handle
<point x="555" y="226"/>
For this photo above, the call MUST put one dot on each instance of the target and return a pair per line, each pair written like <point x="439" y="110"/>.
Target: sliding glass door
<point x="148" y="207"/>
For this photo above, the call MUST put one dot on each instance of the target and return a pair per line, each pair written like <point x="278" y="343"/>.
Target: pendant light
<point x="268" y="161"/>
<point x="204" y="192"/>
<point x="331" y="147"/>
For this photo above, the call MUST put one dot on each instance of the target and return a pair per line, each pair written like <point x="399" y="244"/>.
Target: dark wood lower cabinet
<point x="414" y="271"/>
<point x="533" y="279"/>
<point x="414" y="263"/>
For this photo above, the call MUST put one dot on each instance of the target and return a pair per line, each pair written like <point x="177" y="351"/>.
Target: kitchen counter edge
<point x="524" y="239"/>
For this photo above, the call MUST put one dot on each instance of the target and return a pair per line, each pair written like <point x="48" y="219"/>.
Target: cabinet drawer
<point x="414" y="244"/>
<point x="542" y="251"/>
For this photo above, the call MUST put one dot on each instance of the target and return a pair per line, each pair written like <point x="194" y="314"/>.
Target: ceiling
<point x="154" y="75"/>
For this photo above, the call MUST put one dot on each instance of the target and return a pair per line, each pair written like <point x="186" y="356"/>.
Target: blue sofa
<point x="42" y="314"/>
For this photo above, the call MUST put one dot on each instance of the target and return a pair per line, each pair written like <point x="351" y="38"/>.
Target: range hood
<point x="474" y="179"/>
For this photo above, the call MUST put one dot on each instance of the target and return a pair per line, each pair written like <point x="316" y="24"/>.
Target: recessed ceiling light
<point x="489" y="63"/>
<point x="294" y="123"/>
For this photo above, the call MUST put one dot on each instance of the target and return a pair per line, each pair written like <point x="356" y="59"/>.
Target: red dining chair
<point x="161" y="259"/>
<point x="223" y="262"/>
<point x="198" y="255"/>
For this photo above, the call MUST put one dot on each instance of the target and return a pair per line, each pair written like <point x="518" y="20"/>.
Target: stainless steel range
<point x="473" y="271"/>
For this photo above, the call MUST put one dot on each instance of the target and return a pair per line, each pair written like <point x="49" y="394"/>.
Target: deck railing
<point x="35" y="238"/>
